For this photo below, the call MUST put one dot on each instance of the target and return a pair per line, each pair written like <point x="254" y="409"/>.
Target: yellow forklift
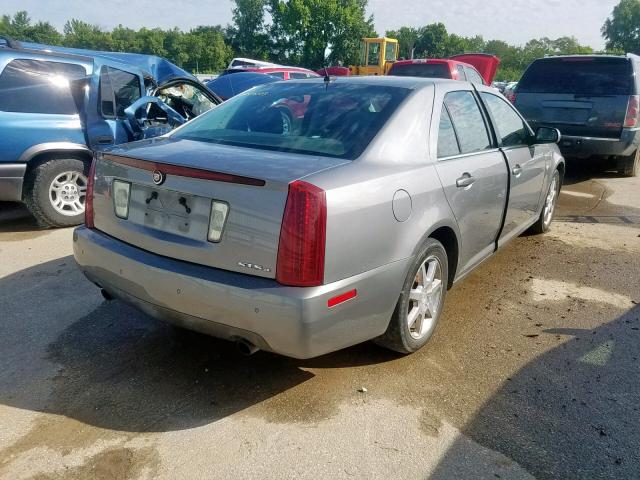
<point x="376" y="56"/>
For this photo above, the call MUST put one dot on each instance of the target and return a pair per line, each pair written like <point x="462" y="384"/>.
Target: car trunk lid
<point x="172" y="218"/>
<point x="487" y="65"/>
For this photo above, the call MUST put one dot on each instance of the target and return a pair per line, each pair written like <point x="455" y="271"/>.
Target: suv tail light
<point x="633" y="111"/>
<point x="88" y="199"/>
<point x="302" y="237"/>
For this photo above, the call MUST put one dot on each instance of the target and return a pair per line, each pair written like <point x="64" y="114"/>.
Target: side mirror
<point x="547" y="135"/>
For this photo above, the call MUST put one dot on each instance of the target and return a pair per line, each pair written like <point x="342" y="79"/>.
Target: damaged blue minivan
<point x="58" y="105"/>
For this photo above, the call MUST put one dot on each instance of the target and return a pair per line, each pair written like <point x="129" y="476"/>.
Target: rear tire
<point x="418" y="309"/>
<point x="543" y="224"/>
<point x="629" y="166"/>
<point x="55" y="192"/>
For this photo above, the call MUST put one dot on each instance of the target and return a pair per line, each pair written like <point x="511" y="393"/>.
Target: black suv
<point x="592" y="99"/>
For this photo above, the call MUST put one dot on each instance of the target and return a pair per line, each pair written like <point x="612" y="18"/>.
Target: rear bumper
<point x="287" y="320"/>
<point x="584" y="147"/>
<point x="11" y="181"/>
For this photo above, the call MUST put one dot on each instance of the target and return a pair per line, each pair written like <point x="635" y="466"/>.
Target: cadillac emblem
<point x="158" y="177"/>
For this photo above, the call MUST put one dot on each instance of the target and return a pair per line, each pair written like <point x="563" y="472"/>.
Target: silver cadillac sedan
<point x="306" y="216"/>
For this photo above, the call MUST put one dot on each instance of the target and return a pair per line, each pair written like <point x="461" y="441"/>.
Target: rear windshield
<point x="337" y="120"/>
<point x="580" y="76"/>
<point x="429" y="70"/>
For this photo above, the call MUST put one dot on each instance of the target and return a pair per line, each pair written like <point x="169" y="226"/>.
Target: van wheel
<point x="421" y="301"/>
<point x="628" y="166"/>
<point x="56" y="190"/>
<point x="543" y="223"/>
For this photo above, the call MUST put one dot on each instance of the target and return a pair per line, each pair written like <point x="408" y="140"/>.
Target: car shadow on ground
<point x="581" y="170"/>
<point x="14" y="217"/>
<point x="572" y="413"/>
<point x="118" y="369"/>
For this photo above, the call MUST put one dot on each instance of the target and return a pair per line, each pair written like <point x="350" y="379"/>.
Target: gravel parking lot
<point x="532" y="373"/>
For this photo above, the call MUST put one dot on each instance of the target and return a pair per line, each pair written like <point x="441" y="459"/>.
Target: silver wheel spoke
<point x="416" y="293"/>
<point x="413" y="316"/>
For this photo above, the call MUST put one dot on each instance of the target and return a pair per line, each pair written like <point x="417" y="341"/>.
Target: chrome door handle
<point x="517" y="170"/>
<point x="466" y="180"/>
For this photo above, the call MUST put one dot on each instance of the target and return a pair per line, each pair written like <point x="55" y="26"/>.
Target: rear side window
<point x="118" y="90"/>
<point x="429" y="70"/>
<point x="511" y="129"/>
<point x="579" y="76"/>
<point x="36" y="86"/>
<point x="277" y="74"/>
<point x="447" y="142"/>
<point x="468" y="121"/>
<point x="473" y="76"/>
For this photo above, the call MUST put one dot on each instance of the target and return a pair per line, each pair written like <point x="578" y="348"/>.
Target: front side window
<point x="186" y="99"/>
<point x="118" y="90"/>
<point x="512" y="130"/>
<point x="37" y="86"/>
<point x="297" y="75"/>
<point x="468" y="121"/>
<point x="338" y="120"/>
<point x="447" y="141"/>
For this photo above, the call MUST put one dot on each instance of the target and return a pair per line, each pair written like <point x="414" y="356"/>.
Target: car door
<point x="527" y="164"/>
<point x="113" y="87"/>
<point x="472" y="171"/>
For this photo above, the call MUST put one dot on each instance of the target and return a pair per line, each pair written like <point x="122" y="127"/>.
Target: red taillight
<point x="302" y="237"/>
<point x="633" y="110"/>
<point x="88" y="200"/>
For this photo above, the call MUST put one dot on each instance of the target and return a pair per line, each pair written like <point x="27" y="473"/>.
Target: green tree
<point x="622" y="29"/>
<point x="248" y="34"/>
<point x="314" y="33"/>
<point x="79" y="34"/>
<point x="407" y="38"/>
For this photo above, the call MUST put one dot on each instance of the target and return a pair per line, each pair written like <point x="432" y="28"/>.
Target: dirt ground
<point x="533" y="372"/>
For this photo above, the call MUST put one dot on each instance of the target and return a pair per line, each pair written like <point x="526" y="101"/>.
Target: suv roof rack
<point x="6" y="41"/>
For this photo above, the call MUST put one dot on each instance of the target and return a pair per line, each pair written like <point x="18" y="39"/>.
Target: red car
<point x="475" y="68"/>
<point x="281" y="71"/>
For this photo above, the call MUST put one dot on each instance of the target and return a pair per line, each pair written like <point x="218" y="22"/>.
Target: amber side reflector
<point x="180" y="171"/>
<point x="343" y="297"/>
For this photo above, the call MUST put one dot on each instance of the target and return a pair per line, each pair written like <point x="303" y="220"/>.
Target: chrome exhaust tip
<point x="245" y="347"/>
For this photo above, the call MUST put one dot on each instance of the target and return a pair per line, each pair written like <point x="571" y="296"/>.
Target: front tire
<point x="543" y="224"/>
<point x="421" y="301"/>
<point x="55" y="192"/>
<point x="629" y="166"/>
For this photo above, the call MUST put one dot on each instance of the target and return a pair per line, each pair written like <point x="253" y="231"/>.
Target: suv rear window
<point x="37" y="86"/>
<point x="429" y="70"/>
<point x="579" y="75"/>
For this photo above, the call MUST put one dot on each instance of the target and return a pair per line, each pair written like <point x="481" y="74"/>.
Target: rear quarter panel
<point x="362" y="230"/>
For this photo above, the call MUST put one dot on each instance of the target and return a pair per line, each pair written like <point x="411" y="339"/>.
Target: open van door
<point x="113" y="87"/>
<point x="486" y="64"/>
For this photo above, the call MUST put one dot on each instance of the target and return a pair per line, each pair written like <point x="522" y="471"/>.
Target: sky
<point x="514" y="21"/>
